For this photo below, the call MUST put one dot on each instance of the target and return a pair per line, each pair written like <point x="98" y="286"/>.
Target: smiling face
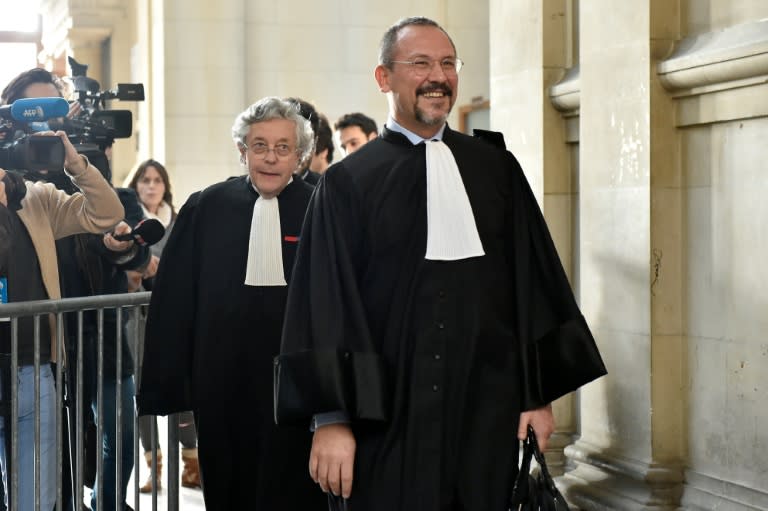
<point x="420" y="102"/>
<point x="269" y="172"/>
<point x="151" y="188"/>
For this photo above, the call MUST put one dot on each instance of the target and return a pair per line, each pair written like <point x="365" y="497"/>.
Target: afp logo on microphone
<point x="33" y="113"/>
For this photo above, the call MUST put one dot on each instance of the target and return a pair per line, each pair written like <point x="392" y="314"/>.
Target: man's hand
<point x="118" y="246"/>
<point x="3" y="197"/>
<point x="543" y="422"/>
<point x="332" y="459"/>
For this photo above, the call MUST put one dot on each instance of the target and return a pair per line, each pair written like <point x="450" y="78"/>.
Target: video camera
<point x="95" y="125"/>
<point x="18" y="149"/>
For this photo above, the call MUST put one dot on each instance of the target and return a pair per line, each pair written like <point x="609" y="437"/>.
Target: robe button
<point x="437" y="356"/>
<point x="441" y="325"/>
<point x="441" y="294"/>
<point x="435" y="388"/>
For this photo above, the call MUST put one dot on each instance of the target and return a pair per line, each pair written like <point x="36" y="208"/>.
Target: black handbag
<point x="535" y="491"/>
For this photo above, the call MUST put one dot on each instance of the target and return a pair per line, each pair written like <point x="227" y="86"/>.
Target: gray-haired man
<point x="216" y="317"/>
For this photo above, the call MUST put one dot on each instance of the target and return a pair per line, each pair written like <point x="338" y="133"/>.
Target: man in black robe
<point x="215" y="318"/>
<point x="438" y="320"/>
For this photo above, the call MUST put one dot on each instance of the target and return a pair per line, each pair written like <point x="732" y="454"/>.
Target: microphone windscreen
<point x="151" y="231"/>
<point x="38" y="109"/>
<point x="147" y="232"/>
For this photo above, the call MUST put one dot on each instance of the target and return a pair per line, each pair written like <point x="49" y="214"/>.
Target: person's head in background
<point x="41" y="83"/>
<point x="153" y="186"/>
<point x="323" y="147"/>
<point x="275" y="141"/>
<point x="355" y="130"/>
<point x="308" y="111"/>
<point x="34" y="83"/>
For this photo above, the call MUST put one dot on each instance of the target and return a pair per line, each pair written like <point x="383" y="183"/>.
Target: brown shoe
<point x="149" y="486"/>
<point x="190" y="476"/>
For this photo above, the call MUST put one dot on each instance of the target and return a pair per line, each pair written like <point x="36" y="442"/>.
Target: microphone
<point x="35" y="109"/>
<point x="147" y="232"/>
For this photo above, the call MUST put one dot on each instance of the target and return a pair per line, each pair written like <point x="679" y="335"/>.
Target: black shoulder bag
<point x="535" y="491"/>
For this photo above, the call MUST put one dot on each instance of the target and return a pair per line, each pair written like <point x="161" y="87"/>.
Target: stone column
<point x="529" y="51"/>
<point x="196" y="61"/>
<point x="633" y="436"/>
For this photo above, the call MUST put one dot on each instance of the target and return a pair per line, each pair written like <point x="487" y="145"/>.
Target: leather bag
<point x="537" y="490"/>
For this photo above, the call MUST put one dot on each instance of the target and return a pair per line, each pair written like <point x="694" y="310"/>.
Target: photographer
<point x="32" y="216"/>
<point x="95" y="265"/>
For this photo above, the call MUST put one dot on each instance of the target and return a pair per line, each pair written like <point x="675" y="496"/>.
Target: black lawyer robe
<point x="209" y="345"/>
<point x="432" y="360"/>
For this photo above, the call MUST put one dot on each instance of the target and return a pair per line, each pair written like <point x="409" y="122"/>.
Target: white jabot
<point x="451" y="229"/>
<point x="265" y="249"/>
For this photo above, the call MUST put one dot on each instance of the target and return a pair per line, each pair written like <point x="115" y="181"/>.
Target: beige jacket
<point x="50" y="214"/>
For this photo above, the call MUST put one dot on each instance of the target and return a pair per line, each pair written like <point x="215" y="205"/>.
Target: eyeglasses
<point x="262" y="149"/>
<point x="450" y="66"/>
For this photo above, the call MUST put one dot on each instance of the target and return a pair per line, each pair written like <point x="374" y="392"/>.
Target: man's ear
<point x="381" y="73"/>
<point x="241" y="150"/>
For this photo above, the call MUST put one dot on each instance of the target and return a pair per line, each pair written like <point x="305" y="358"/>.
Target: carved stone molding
<point x="566" y="94"/>
<point x="717" y="59"/>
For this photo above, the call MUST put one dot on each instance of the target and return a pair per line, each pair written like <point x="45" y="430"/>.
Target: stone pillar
<point x="529" y="51"/>
<point x="196" y="62"/>
<point x="633" y="436"/>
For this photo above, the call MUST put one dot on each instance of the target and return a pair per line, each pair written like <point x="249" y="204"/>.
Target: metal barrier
<point x="130" y="303"/>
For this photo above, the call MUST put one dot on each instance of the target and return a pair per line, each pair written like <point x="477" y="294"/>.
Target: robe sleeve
<point x="328" y="361"/>
<point x="557" y="351"/>
<point x="166" y="375"/>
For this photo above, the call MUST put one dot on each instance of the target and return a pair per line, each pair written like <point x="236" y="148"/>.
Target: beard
<point x="433" y="119"/>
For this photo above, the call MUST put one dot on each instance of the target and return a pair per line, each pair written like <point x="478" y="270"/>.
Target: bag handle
<point x="531" y="449"/>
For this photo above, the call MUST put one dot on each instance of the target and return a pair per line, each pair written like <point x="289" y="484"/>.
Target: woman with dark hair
<point x="153" y="186"/>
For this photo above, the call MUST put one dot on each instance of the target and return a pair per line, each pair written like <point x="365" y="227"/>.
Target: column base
<point x="603" y="481"/>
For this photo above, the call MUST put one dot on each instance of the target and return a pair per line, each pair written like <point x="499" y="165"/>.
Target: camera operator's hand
<point x="115" y="245"/>
<point x="3" y="197"/>
<point x="74" y="110"/>
<point x="74" y="163"/>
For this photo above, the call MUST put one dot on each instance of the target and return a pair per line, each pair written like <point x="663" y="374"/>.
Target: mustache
<point x="435" y="87"/>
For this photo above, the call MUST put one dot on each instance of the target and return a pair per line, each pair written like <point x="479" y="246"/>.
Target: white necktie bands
<point x="451" y="229"/>
<point x="265" y="248"/>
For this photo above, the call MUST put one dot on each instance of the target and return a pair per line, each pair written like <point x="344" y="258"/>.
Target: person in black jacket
<point x="429" y="320"/>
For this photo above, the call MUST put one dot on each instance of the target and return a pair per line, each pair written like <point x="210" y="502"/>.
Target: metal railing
<point x="63" y="310"/>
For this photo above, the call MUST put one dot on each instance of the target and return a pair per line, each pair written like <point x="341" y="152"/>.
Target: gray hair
<point x="270" y="108"/>
<point x="388" y="43"/>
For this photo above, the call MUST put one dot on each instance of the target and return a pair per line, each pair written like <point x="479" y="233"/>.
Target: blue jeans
<point x="26" y="435"/>
<point x="109" y="447"/>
